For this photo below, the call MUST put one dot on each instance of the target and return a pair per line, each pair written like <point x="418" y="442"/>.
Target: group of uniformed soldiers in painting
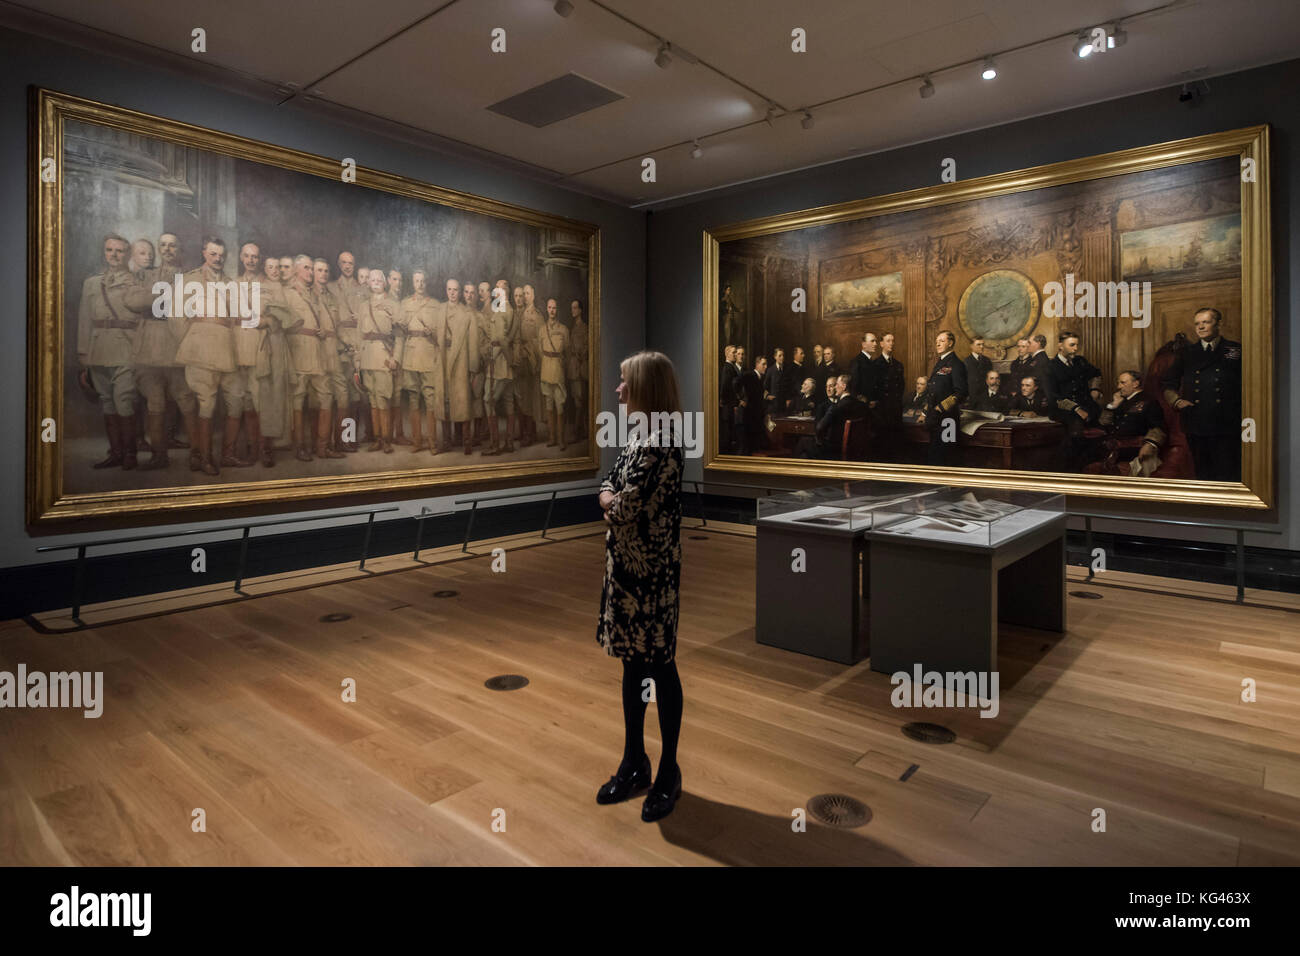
<point x="1202" y="383"/>
<point x="325" y="347"/>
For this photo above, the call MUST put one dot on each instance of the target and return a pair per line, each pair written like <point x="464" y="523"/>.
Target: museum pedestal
<point x="937" y="603"/>
<point x="817" y="610"/>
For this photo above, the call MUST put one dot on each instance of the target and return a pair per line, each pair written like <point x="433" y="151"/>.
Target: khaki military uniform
<point x="553" y="344"/>
<point x="454" y="333"/>
<point x="411" y="306"/>
<point x="576" y="367"/>
<point x="306" y="374"/>
<point x="399" y="343"/>
<point x="419" y="351"/>
<point x="270" y="380"/>
<point x="375" y="321"/>
<point x="106" y="334"/>
<point x="208" y="353"/>
<point x="248" y="336"/>
<point x="348" y="293"/>
<point x="478" y="371"/>
<point x="329" y="310"/>
<point x="157" y="373"/>
<point x="528" y="393"/>
<point x="499" y="386"/>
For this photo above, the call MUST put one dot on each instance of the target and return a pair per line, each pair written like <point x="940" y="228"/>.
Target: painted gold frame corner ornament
<point x="46" y="501"/>
<point x="1256" y="490"/>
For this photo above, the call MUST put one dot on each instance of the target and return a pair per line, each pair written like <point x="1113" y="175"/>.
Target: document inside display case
<point x="972" y="516"/>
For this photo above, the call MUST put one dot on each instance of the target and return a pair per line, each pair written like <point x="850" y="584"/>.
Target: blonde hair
<point x="651" y="383"/>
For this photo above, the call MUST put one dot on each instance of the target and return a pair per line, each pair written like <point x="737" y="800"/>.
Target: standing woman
<point x="641" y="498"/>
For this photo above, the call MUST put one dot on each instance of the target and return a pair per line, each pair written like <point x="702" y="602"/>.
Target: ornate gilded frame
<point x="1256" y="490"/>
<point x="47" y="503"/>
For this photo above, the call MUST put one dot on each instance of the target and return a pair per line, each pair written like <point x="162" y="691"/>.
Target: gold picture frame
<point x="48" y="504"/>
<point x="1256" y="490"/>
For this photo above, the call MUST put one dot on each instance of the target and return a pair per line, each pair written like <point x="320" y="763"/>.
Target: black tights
<point x="668" y="701"/>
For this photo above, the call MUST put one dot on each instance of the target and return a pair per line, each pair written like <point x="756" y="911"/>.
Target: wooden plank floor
<point x="237" y="709"/>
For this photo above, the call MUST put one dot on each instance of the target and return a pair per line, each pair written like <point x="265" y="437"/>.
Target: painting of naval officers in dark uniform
<point x="389" y="333"/>
<point x="1179" y="418"/>
<point x="1095" y="327"/>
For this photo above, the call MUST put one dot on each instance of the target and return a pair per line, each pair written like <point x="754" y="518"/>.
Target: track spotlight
<point x="662" y="59"/>
<point x="1083" y="45"/>
<point x="807" y="122"/>
<point x="927" y="88"/>
<point x="563" y="7"/>
<point x="990" y="71"/>
<point x="1117" y="37"/>
<point x="698" y="151"/>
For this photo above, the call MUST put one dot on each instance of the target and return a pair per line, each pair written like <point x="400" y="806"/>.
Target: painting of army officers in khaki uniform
<point x="284" y="331"/>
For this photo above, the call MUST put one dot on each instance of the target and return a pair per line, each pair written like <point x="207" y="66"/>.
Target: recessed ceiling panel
<point x="555" y="100"/>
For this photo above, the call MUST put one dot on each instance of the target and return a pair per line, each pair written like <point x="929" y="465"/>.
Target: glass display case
<point x="847" y="507"/>
<point x="981" y="517"/>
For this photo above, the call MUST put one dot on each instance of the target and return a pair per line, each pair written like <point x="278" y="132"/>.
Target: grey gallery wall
<point x="27" y="61"/>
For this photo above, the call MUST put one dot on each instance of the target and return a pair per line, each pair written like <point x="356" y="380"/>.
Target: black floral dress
<point x="643" y="552"/>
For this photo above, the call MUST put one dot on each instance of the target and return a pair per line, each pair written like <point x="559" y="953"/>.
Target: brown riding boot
<point x="417" y="440"/>
<point x="376" y="433"/>
<point x="300" y="437"/>
<point x="340" y="442"/>
<point x="550" y="430"/>
<point x="157" y="442"/>
<point x="494" y="437"/>
<point x="354" y="412"/>
<point x="386" y="416"/>
<point x="323" y="431"/>
<point x="192" y="433"/>
<point x="256" y="446"/>
<point x="394" y="423"/>
<point x="127" y="424"/>
<point x="268" y="453"/>
<point x="139" y="428"/>
<point x="228" y="438"/>
<point x="171" y="418"/>
<point x="112" y="428"/>
<point x="511" y="425"/>
<point x="206" y="464"/>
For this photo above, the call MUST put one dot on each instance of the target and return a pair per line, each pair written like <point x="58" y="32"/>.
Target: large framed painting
<point x="1100" y="327"/>
<point x="219" y="322"/>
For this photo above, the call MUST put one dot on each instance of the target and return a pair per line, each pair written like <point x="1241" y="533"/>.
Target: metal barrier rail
<point x="1237" y="530"/>
<point x="704" y="520"/>
<point x="586" y="488"/>
<point x="246" y="527"/>
<point x="426" y="512"/>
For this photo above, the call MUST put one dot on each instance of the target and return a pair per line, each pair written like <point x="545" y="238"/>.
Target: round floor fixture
<point x="929" y="733"/>
<point x="1086" y="595"/>
<point x="506" y="682"/>
<point x="445" y="594"/>
<point x="335" y="618"/>
<point x="839" y="810"/>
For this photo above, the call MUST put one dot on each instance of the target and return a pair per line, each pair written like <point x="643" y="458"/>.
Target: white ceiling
<point x="427" y="65"/>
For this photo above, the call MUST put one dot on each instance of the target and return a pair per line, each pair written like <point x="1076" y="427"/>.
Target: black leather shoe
<point x="619" y="788"/>
<point x="658" y="804"/>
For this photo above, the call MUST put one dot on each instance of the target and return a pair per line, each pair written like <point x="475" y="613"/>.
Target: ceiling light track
<point x="964" y="64"/>
<point x="665" y="46"/>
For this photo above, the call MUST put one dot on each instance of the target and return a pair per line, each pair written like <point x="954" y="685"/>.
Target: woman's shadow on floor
<point x="736" y="836"/>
